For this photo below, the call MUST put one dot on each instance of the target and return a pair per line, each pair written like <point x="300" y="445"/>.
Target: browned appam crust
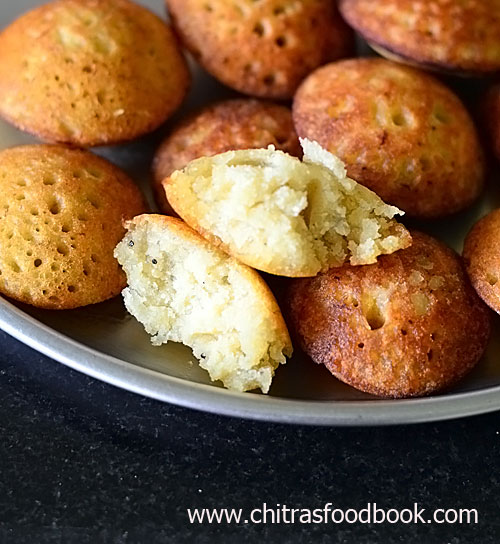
<point x="61" y="216"/>
<point x="224" y="126"/>
<point x="431" y="332"/>
<point x="262" y="48"/>
<point x="463" y="37"/>
<point x="482" y="258"/>
<point x="400" y="132"/>
<point x="90" y="72"/>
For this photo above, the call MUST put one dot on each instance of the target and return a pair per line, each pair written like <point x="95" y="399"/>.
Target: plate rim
<point x="207" y="398"/>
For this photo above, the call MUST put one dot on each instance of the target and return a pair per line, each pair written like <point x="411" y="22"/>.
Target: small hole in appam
<point x="398" y="119"/>
<point x="65" y="228"/>
<point x="37" y="262"/>
<point x="425" y="163"/>
<point x="492" y="279"/>
<point x="54" y="207"/>
<point x="441" y="115"/>
<point x="48" y="180"/>
<point x="259" y="29"/>
<point x="71" y="288"/>
<point x="281" y="41"/>
<point x="62" y="249"/>
<point x="93" y="202"/>
<point x="269" y="79"/>
<point x="15" y="267"/>
<point x="94" y="172"/>
<point x="373" y="309"/>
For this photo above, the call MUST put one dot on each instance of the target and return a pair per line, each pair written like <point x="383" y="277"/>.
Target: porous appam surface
<point x="61" y="216"/>
<point x="90" y="72"/>
<point x="400" y="131"/>
<point x="482" y="258"/>
<point x="409" y="325"/>
<point x="262" y="48"/>
<point x="456" y="36"/>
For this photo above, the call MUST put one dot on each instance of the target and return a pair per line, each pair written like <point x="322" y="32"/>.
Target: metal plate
<point x="103" y="341"/>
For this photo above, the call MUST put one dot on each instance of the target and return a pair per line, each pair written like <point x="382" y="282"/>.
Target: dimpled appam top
<point x="409" y="325"/>
<point x="262" y="48"/>
<point x="453" y="35"/>
<point x="90" y="72"/>
<point x="61" y="214"/>
<point x="400" y="132"/>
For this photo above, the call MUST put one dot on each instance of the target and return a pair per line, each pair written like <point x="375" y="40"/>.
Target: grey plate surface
<point x="103" y="341"/>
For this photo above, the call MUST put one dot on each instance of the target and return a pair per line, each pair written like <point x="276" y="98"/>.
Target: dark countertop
<point x="85" y="462"/>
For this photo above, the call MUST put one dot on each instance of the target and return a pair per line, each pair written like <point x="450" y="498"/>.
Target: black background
<point x="82" y="461"/>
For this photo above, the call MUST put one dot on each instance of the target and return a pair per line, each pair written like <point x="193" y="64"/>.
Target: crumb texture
<point x="241" y="123"/>
<point x="284" y="216"/>
<point x="184" y="290"/>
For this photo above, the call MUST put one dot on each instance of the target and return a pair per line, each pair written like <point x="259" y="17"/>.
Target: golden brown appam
<point x="61" y="214"/>
<point x="224" y="126"/>
<point x="409" y="325"/>
<point x="482" y="258"/>
<point x="261" y="48"/>
<point x="90" y="72"/>
<point x="400" y="132"/>
<point x="454" y="36"/>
